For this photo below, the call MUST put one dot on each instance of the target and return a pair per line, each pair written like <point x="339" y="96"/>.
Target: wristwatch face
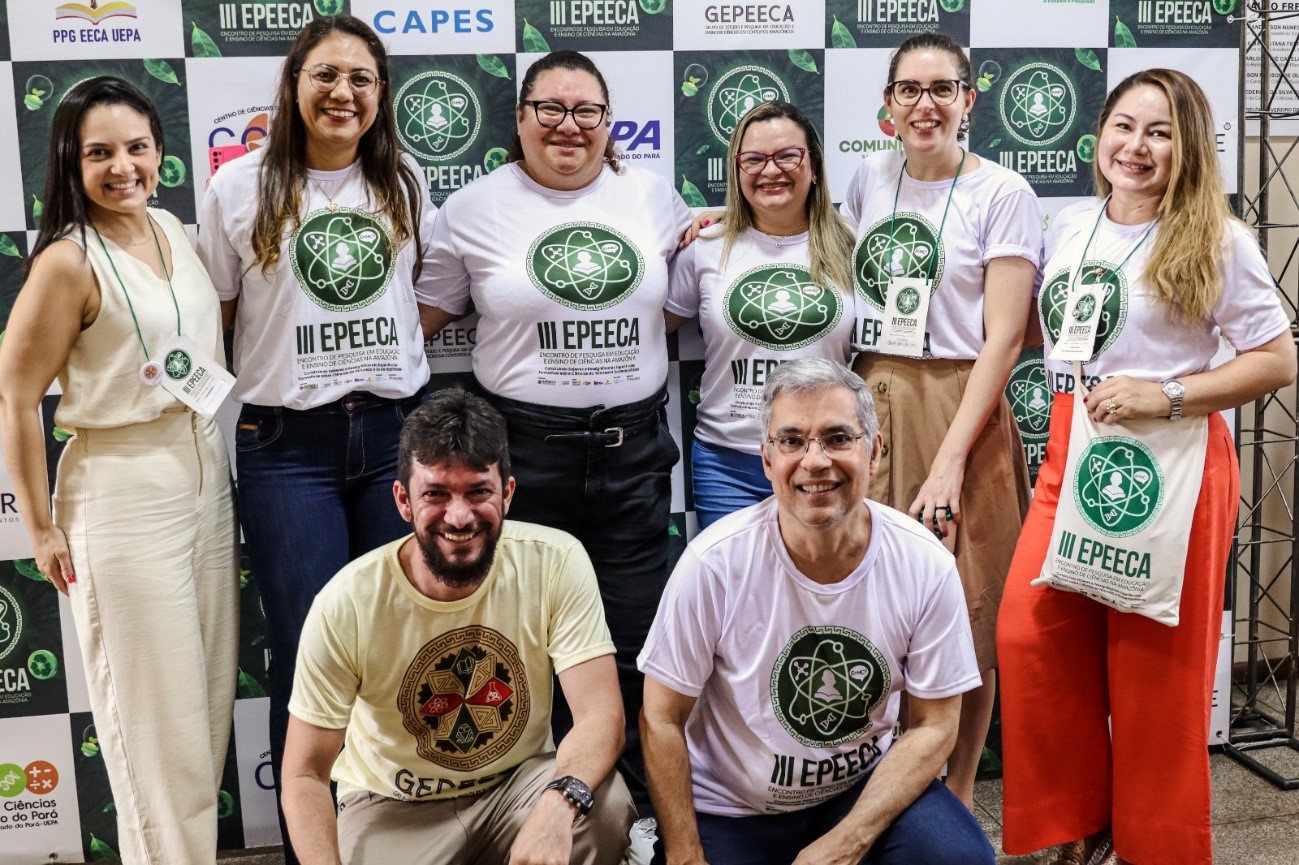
<point x="1173" y="389"/>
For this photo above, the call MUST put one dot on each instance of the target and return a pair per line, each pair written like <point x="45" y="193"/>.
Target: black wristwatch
<point x="575" y="791"/>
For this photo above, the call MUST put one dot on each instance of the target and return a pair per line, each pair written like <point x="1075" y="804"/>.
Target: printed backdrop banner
<point x="680" y="74"/>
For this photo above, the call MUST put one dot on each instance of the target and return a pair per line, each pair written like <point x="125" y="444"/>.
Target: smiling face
<point x="566" y="157"/>
<point x="1135" y="148"/>
<point x="119" y="160"/>
<point x="776" y="196"/>
<point x="928" y="129"/>
<point x="335" y="121"/>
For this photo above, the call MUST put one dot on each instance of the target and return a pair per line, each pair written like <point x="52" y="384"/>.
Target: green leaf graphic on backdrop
<point x="1088" y="58"/>
<point x="703" y="148"/>
<point x="533" y="41"/>
<point x="60" y="434"/>
<point x="248" y="687"/>
<point x="161" y="70"/>
<point x="492" y="65"/>
<point x="27" y="567"/>
<point x="202" y="43"/>
<point x="653" y="7"/>
<point x="37" y="209"/>
<point x="994" y="142"/>
<point x="102" y="852"/>
<point x="803" y="60"/>
<point x="8" y="247"/>
<point x="691" y="194"/>
<point x="225" y="805"/>
<point x="34" y="99"/>
<point x="841" y="36"/>
<point x="1122" y="35"/>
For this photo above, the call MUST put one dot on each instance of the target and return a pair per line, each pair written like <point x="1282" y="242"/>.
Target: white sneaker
<point x="644" y="833"/>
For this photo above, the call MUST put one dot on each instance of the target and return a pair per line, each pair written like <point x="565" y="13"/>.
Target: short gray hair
<point x="810" y="374"/>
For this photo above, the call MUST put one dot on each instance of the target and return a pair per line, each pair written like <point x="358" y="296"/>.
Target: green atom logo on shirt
<point x="897" y="245"/>
<point x="1104" y="280"/>
<point x="779" y="307"/>
<point x="585" y="266"/>
<point x="342" y="258"/>
<point x="826" y="684"/>
<point x="1118" y="486"/>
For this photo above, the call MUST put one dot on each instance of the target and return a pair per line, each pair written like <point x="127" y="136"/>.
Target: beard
<point x="461" y="574"/>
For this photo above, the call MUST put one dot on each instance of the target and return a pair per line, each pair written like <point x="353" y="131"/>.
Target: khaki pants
<point x="376" y="830"/>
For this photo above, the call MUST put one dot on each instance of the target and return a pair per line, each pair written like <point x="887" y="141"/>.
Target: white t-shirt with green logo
<point x="1135" y="336"/>
<point x="994" y="214"/>
<point x="759" y="310"/>
<point x="337" y="313"/>
<point x="798" y="683"/>
<point x="569" y="285"/>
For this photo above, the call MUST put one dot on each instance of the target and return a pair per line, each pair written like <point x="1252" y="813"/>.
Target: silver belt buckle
<point x="618" y="430"/>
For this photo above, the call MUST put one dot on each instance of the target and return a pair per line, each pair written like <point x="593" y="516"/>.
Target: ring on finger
<point x="1111" y="407"/>
<point x="948" y="509"/>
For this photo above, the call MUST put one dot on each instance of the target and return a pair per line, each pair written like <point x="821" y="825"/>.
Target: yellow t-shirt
<point x="439" y="699"/>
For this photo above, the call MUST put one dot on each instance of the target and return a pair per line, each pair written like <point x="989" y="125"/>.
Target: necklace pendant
<point x="332" y="207"/>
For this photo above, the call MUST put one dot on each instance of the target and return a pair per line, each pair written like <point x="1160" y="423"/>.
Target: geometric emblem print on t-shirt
<point x="779" y="307"/>
<point x="1108" y="282"/>
<point x="826" y="684"/>
<point x="1118" y="485"/>
<point x="342" y="258"/>
<point x="907" y="251"/>
<point x="465" y="698"/>
<point x="584" y="265"/>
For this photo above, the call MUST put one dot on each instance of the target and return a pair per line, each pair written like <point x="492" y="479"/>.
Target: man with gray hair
<point x="776" y="664"/>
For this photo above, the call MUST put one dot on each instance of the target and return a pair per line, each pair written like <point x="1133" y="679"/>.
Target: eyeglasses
<point x="943" y="91"/>
<point x="795" y="445"/>
<point x="324" y="78"/>
<point x="587" y="115"/>
<point x="753" y="162"/>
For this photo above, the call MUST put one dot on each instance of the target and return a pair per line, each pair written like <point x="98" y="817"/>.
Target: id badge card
<point x="906" y="310"/>
<point x="1082" y="317"/>
<point x="192" y="376"/>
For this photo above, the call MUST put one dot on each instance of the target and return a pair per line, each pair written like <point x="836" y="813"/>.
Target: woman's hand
<point x="53" y="558"/>
<point x="938" y="504"/>
<point x="1125" y="398"/>
<point x="700" y="222"/>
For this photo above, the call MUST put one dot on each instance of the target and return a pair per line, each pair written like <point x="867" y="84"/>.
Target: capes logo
<point x="225" y="144"/>
<point x="434" y="21"/>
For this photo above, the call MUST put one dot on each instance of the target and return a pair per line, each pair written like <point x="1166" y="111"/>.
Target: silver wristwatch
<point x="1174" y="391"/>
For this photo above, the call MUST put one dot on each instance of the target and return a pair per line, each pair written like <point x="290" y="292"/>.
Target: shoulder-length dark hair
<point x="572" y="61"/>
<point x="64" y="202"/>
<point x="283" y="176"/>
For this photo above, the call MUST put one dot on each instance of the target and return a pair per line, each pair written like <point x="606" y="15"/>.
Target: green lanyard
<point x="130" y="305"/>
<point x="933" y="253"/>
<point x="1073" y="282"/>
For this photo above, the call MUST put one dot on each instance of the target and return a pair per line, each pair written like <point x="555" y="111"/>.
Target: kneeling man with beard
<point x="429" y="664"/>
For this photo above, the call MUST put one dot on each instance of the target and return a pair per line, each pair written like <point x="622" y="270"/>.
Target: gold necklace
<point x="122" y="243"/>
<point x="330" y="204"/>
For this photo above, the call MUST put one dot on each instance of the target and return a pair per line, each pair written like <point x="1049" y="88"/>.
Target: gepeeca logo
<point x="736" y="92"/>
<point x="11" y="622"/>
<point x="779" y="307"/>
<point x="438" y="115"/>
<point x="585" y="265"/>
<point x="1038" y="104"/>
<point x="908" y="250"/>
<point x="1030" y="400"/>
<point x="178" y="364"/>
<point x="1118" y="486"/>
<point x="342" y="258"/>
<point x="1105" y="281"/>
<point x="826" y="684"/>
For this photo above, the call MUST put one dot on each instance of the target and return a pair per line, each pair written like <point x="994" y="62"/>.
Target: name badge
<point x="1082" y="316"/>
<point x="190" y="375"/>
<point x="906" y="309"/>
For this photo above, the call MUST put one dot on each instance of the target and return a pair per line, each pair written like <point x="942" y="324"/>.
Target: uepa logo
<point x="638" y="140"/>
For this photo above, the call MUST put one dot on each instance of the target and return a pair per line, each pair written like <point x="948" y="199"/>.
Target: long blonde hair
<point x="1182" y="272"/>
<point x="829" y="239"/>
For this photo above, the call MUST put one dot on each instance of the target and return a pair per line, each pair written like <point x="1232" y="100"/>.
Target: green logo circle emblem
<point x="178" y="364"/>
<point x="1030" y="400"/>
<point x="1038" y="104"/>
<point x="909" y="251"/>
<point x="329" y="7"/>
<point x="13" y="780"/>
<point x="826" y="684"/>
<point x="438" y="115"/>
<point x="736" y="92"/>
<point x="1118" y="486"/>
<point x="1087" y="148"/>
<point x="1084" y="308"/>
<point x="585" y="266"/>
<point x="952" y="5"/>
<point x="908" y="300"/>
<point x="11" y="622"/>
<point x="342" y="258"/>
<point x="42" y="664"/>
<point x="172" y="172"/>
<point x="495" y="158"/>
<point x="1224" y="7"/>
<point x="1106" y="283"/>
<point x="779" y="307"/>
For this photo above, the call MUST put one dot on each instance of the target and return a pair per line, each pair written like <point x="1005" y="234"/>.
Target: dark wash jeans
<point x="615" y="500"/>
<point x="315" y="492"/>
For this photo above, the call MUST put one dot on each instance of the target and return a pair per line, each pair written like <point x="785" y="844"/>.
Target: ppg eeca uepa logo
<point x="342" y="258"/>
<point x="584" y="265"/>
<point x="904" y="244"/>
<point x="738" y="91"/>
<point x="826" y="684"/>
<point x="779" y="307"/>
<point x="1038" y="104"/>
<point x="438" y="115"/>
<point x="1118" y="486"/>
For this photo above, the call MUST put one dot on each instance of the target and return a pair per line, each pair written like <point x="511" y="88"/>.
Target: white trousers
<point x="149" y="517"/>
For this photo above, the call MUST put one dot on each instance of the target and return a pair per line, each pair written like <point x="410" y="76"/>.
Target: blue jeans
<point x="724" y="481"/>
<point x="936" y="829"/>
<point x="315" y="492"/>
<point x="615" y="499"/>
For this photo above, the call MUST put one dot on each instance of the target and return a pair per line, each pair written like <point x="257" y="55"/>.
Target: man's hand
<point x="546" y="837"/>
<point x="832" y="848"/>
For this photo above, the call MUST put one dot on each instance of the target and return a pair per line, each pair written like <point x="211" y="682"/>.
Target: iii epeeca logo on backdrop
<point x="1030" y="402"/>
<point x="885" y="23"/>
<point x="593" y="25"/>
<point x="1176" y="23"/>
<point x="249" y="27"/>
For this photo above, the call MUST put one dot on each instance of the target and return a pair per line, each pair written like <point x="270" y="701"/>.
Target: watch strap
<point x="575" y="791"/>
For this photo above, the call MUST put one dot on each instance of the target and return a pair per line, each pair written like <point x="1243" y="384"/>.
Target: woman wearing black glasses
<point x="315" y="244"/>
<point x="948" y="250"/>
<point x="771" y="283"/>
<point x="564" y="254"/>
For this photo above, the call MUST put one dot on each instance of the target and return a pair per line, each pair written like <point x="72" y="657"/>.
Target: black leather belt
<point x="610" y="437"/>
